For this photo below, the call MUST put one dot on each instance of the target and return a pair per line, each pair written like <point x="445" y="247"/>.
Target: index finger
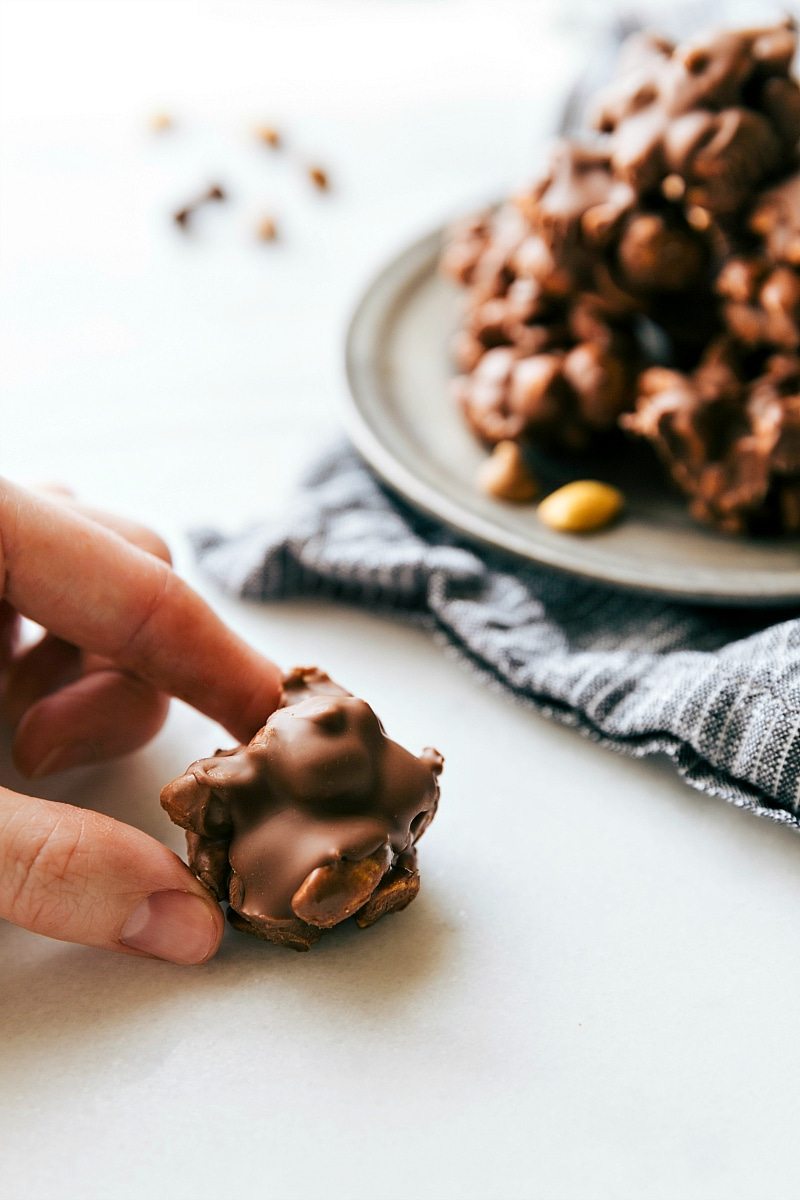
<point x="89" y="586"/>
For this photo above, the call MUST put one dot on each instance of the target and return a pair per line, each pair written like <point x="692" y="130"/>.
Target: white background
<point x="594" y="995"/>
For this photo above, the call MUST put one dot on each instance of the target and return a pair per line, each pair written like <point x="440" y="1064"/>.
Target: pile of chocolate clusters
<point x="649" y="281"/>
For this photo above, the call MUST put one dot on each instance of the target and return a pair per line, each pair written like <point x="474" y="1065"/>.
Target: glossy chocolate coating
<point x="730" y="442"/>
<point x="547" y="349"/>
<point x="563" y="397"/>
<point x="673" y="237"/>
<point x="761" y="304"/>
<point x="760" y="288"/>
<point x="313" y="820"/>
<point x="775" y="219"/>
<point x="588" y="232"/>
<point x="717" y="114"/>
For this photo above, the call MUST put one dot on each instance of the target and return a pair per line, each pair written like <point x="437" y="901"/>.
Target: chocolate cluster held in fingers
<point x="613" y="282"/>
<point x="314" y="821"/>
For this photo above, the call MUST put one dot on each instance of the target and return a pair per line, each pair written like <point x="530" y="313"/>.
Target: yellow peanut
<point x="581" y="507"/>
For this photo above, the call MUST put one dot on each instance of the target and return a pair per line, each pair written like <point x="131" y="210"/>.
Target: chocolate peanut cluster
<point x="670" y="238"/>
<point x="548" y="347"/>
<point x="731" y="443"/>
<point x="760" y="288"/>
<point x="313" y="822"/>
<point x="707" y="120"/>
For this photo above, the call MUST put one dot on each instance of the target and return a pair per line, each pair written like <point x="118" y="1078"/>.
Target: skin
<point x="122" y="633"/>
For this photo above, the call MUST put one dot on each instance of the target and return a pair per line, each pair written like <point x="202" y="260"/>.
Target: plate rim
<point x="416" y="491"/>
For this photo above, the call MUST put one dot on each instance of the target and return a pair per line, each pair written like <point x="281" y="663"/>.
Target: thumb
<point x="81" y="877"/>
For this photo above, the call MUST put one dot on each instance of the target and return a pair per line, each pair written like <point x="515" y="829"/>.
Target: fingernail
<point x="61" y="758"/>
<point x="177" y="926"/>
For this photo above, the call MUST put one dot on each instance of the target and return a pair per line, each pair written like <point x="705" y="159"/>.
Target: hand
<point x="123" y="634"/>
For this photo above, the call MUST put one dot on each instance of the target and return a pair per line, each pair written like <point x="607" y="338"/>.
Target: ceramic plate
<point x="403" y="421"/>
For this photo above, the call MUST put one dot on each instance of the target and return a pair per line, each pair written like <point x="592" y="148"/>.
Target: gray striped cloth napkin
<point x="716" y="690"/>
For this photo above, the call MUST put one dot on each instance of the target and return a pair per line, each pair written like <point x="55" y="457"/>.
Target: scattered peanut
<point x="505" y="475"/>
<point x="184" y="215"/>
<point x="266" y="230"/>
<point x="581" y="506"/>
<point x="160" y="122"/>
<point x="269" y="135"/>
<point x="319" y="178"/>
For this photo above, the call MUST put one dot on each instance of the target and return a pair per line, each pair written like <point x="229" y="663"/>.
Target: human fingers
<point x="41" y="669"/>
<point x="88" y="586"/>
<point x="67" y="712"/>
<point x="52" y="663"/>
<point x="9" y="631"/>
<point x="81" y="877"/>
<point x="49" y="739"/>
<point x="133" y="531"/>
<point x="101" y="715"/>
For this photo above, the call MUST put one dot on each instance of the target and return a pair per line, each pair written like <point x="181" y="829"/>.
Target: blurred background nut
<point x="780" y="293"/>
<point x="269" y="135"/>
<point x="739" y="278"/>
<point x="505" y="475"/>
<point x="267" y="229"/>
<point x="160" y="122"/>
<point x="581" y="506"/>
<point x="319" y="178"/>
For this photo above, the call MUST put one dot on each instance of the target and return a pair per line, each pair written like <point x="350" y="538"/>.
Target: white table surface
<point x="593" y="998"/>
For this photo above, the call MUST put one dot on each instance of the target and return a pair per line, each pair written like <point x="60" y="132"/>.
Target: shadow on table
<point x="52" y="994"/>
<point x="56" y="997"/>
